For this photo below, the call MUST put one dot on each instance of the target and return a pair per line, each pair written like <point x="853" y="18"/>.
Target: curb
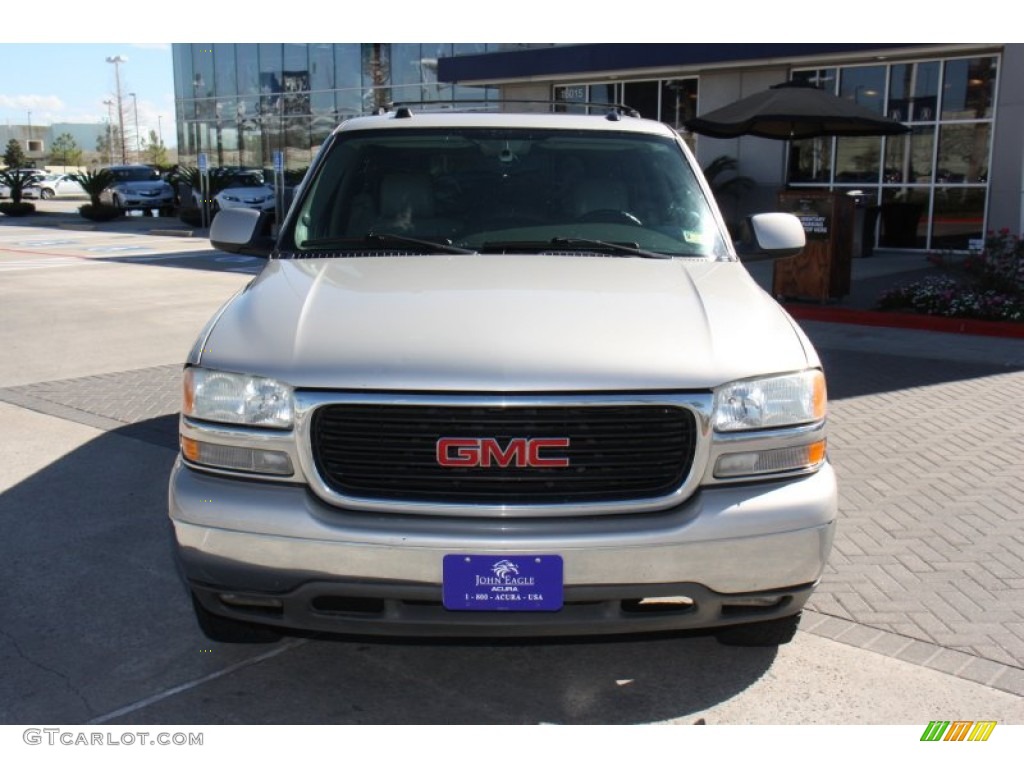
<point x="173" y="232"/>
<point x="1006" y="330"/>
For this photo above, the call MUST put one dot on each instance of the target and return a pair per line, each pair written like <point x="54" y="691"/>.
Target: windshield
<point x="506" y="190"/>
<point x="135" y="174"/>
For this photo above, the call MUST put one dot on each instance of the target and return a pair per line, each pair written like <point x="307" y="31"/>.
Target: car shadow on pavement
<point x="97" y="627"/>
<point x="855" y="374"/>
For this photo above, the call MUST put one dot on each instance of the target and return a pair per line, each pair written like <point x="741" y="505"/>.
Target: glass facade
<point x="932" y="183"/>
<point x="240" y="103"/>
<point x="672" y="101"/>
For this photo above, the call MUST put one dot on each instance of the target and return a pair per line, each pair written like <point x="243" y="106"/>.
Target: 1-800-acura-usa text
<point x="502" y="375"/>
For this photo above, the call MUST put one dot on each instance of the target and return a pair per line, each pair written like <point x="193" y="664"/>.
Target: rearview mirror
<point x="241" y="230"/>
<point x="772" y="236"/>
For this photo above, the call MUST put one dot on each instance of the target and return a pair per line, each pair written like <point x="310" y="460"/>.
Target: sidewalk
<point x="869" y="278"/>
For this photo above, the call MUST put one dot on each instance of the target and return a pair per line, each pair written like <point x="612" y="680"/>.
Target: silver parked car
<point x="502" y="375"/>
<point x="138" y="187"/>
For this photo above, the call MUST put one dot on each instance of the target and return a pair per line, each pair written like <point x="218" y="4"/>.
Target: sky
<point x="68" y="83"/>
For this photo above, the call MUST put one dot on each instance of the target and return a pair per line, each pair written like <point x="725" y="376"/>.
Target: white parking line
<point x="141" y="703"/>
<point x="47" y="263"/>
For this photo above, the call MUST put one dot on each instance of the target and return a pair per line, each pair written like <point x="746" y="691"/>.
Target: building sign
<point x="815" y="213"/>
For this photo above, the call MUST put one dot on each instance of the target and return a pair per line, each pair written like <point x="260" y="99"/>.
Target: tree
<point x="65" y="151"/>
<point x="156" y="152"/>
<point x="104" y="146"/>
<point x="14" y="156"/>
<point x="16" y="180"/>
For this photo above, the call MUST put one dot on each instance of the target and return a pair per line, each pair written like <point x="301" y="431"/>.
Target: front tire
<point x="221" y="629"/>
<point x="761" y="634"/>
<point x="46" y="194"/>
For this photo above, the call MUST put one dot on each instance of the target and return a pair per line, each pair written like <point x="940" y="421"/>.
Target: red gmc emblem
<point x="487" y="451"/>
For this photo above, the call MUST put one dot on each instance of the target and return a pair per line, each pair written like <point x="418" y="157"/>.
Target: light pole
<point x="110" y="136"/>
<point x="117" y="61"/>
<point x="160" y="128"/>
<point x="138" y="138"/>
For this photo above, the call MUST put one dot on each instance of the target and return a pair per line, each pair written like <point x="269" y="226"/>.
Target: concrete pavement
<point x="922" y="608"/>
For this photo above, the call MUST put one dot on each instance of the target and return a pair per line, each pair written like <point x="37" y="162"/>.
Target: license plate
<point x="502" y="582"/>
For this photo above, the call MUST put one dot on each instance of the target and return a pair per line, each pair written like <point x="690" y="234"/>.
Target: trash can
<point x="865" y="221"/>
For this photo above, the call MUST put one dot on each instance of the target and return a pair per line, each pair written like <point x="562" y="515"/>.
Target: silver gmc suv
<point x="502" y="375"/>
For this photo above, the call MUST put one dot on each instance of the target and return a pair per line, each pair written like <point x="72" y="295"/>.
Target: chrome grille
<point x="616" y="453"/>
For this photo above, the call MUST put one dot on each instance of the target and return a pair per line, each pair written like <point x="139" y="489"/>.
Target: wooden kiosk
<point x="822" y="271"/>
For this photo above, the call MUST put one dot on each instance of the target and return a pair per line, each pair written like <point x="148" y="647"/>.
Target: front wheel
<point x="760" y="634"/>
<point x="46" y="194"/>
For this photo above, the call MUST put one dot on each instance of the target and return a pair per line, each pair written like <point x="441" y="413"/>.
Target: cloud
<point x="34" y="102"/>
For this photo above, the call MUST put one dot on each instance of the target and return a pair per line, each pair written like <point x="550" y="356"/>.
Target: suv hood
<point x="528" y="323"/>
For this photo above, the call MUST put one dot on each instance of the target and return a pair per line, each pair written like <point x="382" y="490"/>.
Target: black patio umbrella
<point x="793" y="110"/>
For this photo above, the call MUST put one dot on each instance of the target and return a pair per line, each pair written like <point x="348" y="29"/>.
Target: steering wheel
<point x="611" y="216"/>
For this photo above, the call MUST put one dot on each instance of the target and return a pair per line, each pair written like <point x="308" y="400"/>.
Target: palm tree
<point x="16" y="180"/>
<point x="93" y="182"/>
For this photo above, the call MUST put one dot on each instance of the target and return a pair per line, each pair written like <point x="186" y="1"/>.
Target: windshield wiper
<point x="630" y="248"/>
<point x="434" y="246"/>
<point x="442" y="246"/>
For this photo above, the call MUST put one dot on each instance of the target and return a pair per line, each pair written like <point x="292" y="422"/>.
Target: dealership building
<point x="957" y="173"/>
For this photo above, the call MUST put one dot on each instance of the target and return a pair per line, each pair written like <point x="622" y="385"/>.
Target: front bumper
<point x="131" y="201"/>
<point x="330" y="569"/>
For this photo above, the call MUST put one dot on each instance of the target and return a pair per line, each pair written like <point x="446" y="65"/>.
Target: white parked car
<point x="246" y="190"/>
<point x="5" y="191"/>
<point x="55" y="185"/>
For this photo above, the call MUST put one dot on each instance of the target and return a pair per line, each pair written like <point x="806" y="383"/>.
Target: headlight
<point x="235" y="398"/>
<point x="776" y="401"/>
<point x="231" y="198"/>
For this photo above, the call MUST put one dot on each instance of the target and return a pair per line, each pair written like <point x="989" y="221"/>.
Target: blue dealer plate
<point x="502" y="582"/>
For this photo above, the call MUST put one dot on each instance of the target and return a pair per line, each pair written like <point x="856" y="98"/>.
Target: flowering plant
<point x="990" y="288"/>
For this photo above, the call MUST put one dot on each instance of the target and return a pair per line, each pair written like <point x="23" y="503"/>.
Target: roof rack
<point x="496" y="104"/>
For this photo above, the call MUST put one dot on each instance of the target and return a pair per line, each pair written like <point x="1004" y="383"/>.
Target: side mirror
<point x="242" y="230"/>
<point x="772" y="236"/>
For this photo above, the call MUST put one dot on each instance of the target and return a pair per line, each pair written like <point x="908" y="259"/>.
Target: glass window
<point x="248" y="74"/>
<point x="603" y="93"/>
<point x="321" y="66"/>
<point x="903" y="219"/>
<point x="968" y="88"/>
<point x="570" y="98"/>
<point x="203" y="80"/>
<point x="819" y="78"/>
<point x="182" y="56"/>
<point x="678" y="101"/>
<point x="914" y="92"/>
<point x="348" y="79"/>
<point x="643" y="97"/>
<point x="810" y="160"/>
<point x="908" y="158"/>
<point x="271" y="64"/>
<point x="376" y="72"/>
<point x="295" y="80"/>
<point x="864" y="86"/>
<point x="958" y="217"/>
<point x="858" y="159"/>
<point x="963" y="153"/>
<point x="224" y="69"/>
